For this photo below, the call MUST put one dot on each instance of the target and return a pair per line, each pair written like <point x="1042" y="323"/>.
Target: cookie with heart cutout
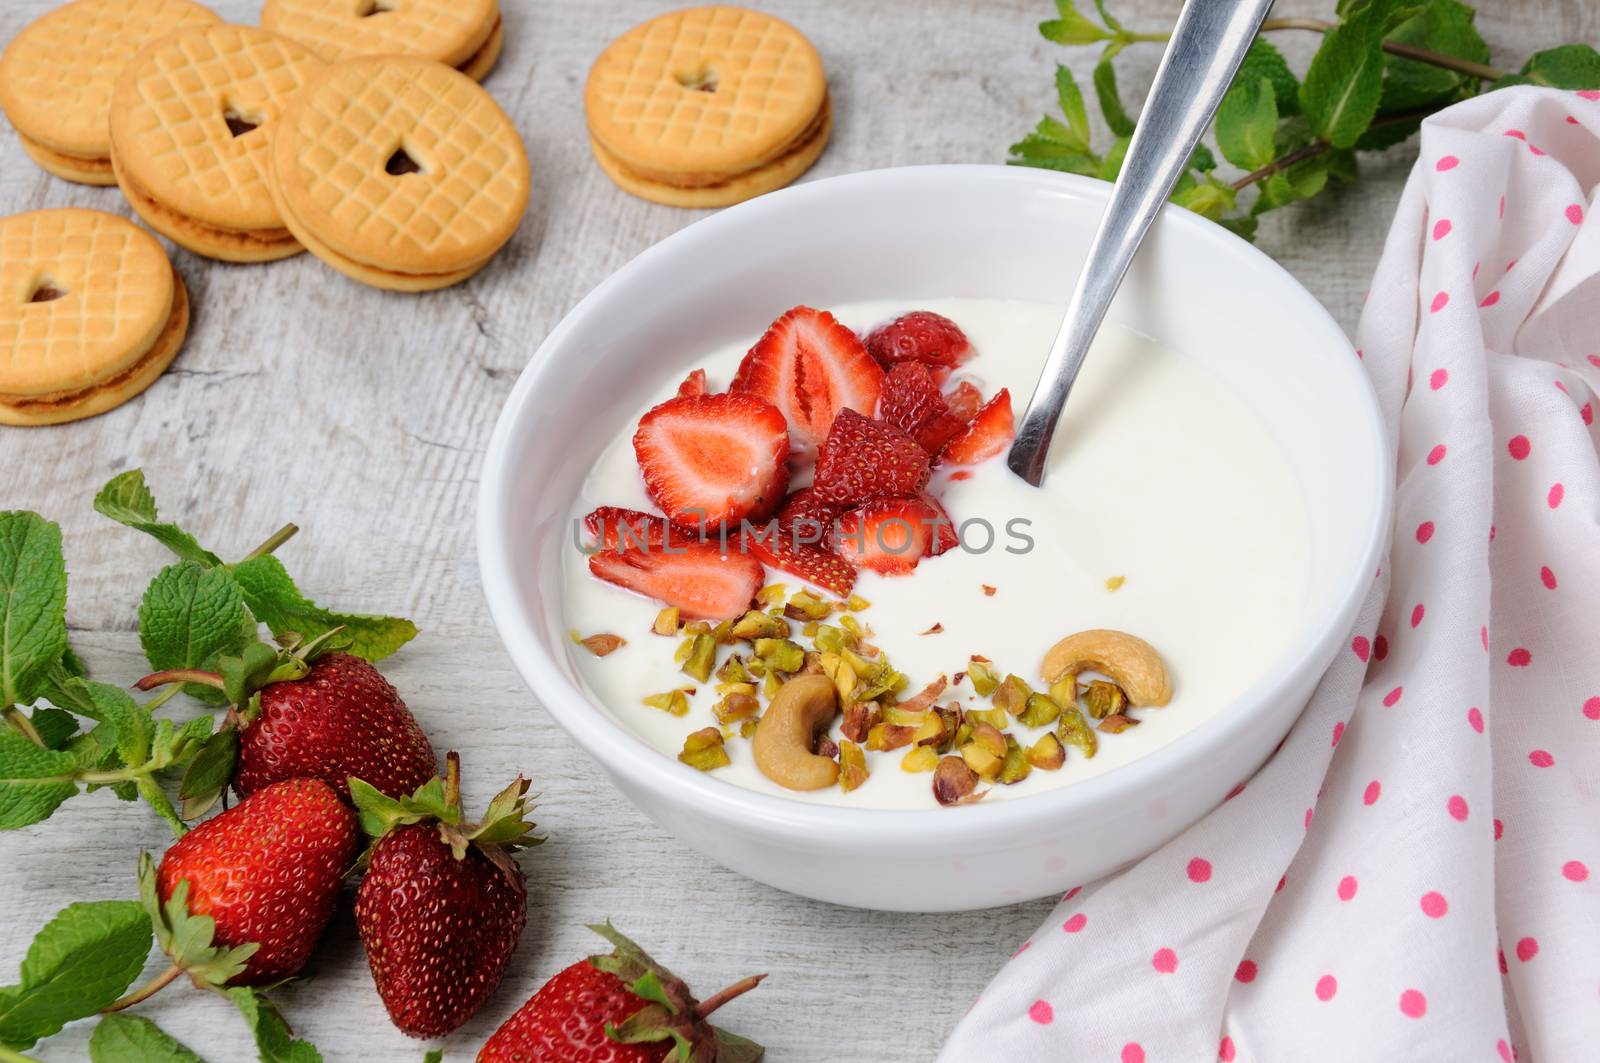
<point x="91" y="313"/>
<point x="57" y="75"/>
<point x="465" y="34"/>
<point x="191" y="133"/>
<point x="399" y="172"/>
<point x="707" y="107"/>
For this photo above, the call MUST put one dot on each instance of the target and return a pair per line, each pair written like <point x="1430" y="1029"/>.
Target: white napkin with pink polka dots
<point x="1415" y="875"/>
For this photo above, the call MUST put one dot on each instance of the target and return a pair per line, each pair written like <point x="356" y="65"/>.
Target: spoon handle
<point x="1206" y="48"/>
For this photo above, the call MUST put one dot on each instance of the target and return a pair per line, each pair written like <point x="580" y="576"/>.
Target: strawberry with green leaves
<point x="443" y="904"/>
<point x="303" y="711"/>
<point x="620" y="1007"/>
<point x="268" y="872"/>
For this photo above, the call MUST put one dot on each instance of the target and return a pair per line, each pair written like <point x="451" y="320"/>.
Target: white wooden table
<point x="363" y="416"/>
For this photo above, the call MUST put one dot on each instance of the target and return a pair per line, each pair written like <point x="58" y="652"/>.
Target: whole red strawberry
<point x="622" y="1007"/>
<point x="341" y="719"/>
<point x="443" y="904"/>
<point x="268" y="870"/>
<point x="920" y="336"/>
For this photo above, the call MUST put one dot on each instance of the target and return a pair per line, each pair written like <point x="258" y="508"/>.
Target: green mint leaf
<point x="433" y="1055"/>
<point x="1571" y="66"/>
<point x="82" y="960"/>
<point x="33" y="605"/>
<point x="1111" y="165"/>
<point x="208" y="773"/>
<point x="1445" y="27"/>
<point x="1243" y="227"/>
<point x="275" y="1043"/>
<point x="127" y="722"/>
<point x="1300" y="181"/>
<point x="1077" y="127"/>
<point x="1342" y="166"/>
<point x="1201" y="159"/>
<point x="1387" y="132"/>
<point x="135" y="1039"/>
<point x="55" y="726"/>
<point x="278" y="603"/>
<point x="190" y="616"/>
<point x="1247" y="124"/>
<point x="1265" y="61"/>
<point x="126" y="500"/>
<point x="1105" y="16"/>
<point x="1073" y="27"/>
<point x="1034" y="150"/>
<point x="1105" y="90"/>
<point x="1345" y="80"/>
<point x="247" y="672"/>
<point x="1209" y="199"/>
<point x="33" y="781"/>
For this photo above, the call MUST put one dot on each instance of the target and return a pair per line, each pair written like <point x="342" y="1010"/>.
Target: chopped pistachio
<point x="733" y="670"/>
<point x="954" y="782"/>
<point x="949" y="725"/>
<point x="813" y="665"/>
<point x="1064" y="691"/>
<point x="723" y="633"/>
<point x="876" y="677"/>
<point x="925" y="697"/>
<point x="601" y="644"/>
<point x="807" y="606"/>
<point x="758" y="625"/>
<point x="984" y="680"/>
<point x="1039" y="711"/>
<point x="855" y="603"/>
<point x="831" y="639"/>
<point x="983" y="760"/>
<point x="1015" y="767"/>
<point x="673" y="701"/>
<point x="1113" y="582"/>
<point x="838" y="669"/>
<point x="770" y="686"/>
<point x="756" y="667"/>
<point x="859" y="719"/>
<point x="781" y="655"/>
<point x="852" y="765"/>
<point x="931" y="732"/>
<point x="703" y="750"/>
<point x="810" y="630"/>
<point x="962" y="735"/>
<point x="749" y="689"/>
<point x="1074" y="730"/>
<point x="701" y="657"/>
<point x="921" y="758"/>
<point x="1116" y="723"/>
<point x="995" y="718"/>
<point x="697" y="627"/>
<point x="748" y="728"/>
<point x="886" y="736"/>
<point x="666" y="621"/>
<point x="770" y="595"/>
<point x="990" y="738"/>
<point x="1047" y="753"/>
<point x="1013" y="695"/>
<point x="903" y="716"/>
<point x="1103" y="699"/>
<point x="735" y="707"/>
<point x="852" y="625"/>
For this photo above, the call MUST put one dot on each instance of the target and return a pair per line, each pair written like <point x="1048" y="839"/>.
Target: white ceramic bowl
<point x="915" y="233"/>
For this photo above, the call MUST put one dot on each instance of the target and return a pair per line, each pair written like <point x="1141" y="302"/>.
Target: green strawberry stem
<point x="179" y="675"/>
<point x="275" y="540"/>
<point x="146" y="991"/>
<point x="704" y="1009"/>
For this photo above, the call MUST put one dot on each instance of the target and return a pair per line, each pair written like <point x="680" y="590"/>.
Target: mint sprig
<point x="80" y="962"/>
<point x="135" y="1039"/>
<point x="33" y="604"/>
<point x="1382" y="67"/>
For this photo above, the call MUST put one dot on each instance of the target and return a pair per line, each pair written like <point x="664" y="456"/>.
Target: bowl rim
<point x="623" y="754"/>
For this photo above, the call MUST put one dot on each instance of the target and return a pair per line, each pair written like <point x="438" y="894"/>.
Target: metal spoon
<point x="1204" y="53"/>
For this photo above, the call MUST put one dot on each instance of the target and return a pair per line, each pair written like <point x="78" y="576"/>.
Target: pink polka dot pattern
<point x="1547" y="577"/>
<point x="1541" y="758"/>
<point x="1519" y="447"/>
<point x="1519" y="657"/>
<point x="1413" y="1004"/>
<point x="1424" y="531"/>
<point x="1165" y="961"/>
<point x="1042" y="1013"/>
<point x="1591" y="709"/>
<point x="1575" y="871"/>
<point x="1075" y="923"/>
<point x="1504" y="1050"/>
<point x="1417" y="613"/>
<point x="1132" y="1052"/>
<point x="1475" y="719"/>
<point x="1440" y="301"/>
<point x="1446" y="162"/>
<point x="1370" y="796"/>
<point x="1225" y="1050"/>
<point x="1360" y="647"/>
<point x="1246" y="972"/>
<point x="1527" y="948"/>
<point x="1434" y="906"/>
<point x="1441" y="228"/>
<point x="1436" y="455"/>
<point x="1326" y="987"/>
<point x="1438" y="379"/>
<point x="1489" y="300"/>
<point x="1199" y="870"/>
<point x="1553" y="499"/>
<point x="1457" y="807"/>
<point x="1347" y="888"/>
<point x="1574" y="213"/>
<point x="1391" y="699"/>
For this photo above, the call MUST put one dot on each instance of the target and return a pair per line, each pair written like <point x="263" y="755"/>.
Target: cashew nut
<point x="786" y="735"/>
<point x="1130" y="662"/>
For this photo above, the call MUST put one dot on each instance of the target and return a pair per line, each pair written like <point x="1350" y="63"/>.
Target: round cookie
<point x="191" y="136"/>
<point x="399" y="172"/>
<point x="707" y="106"/>
<point x="56" y="77"/>
<point x="465" y="34"/>
<point x="91" y="313"/>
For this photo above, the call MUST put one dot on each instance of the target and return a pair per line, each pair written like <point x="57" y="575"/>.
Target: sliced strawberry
<point x="990" y="432"/>
<point x="920" y="336"/>
<point x="944" y="532"/>
<point x="911" y="401"/>
<point x="810" y="367"/>
<point x="693" y="384"/>
<point x="888" y="535"/>
<point x="699" y="578"/>
<point x="711" y="460"/>
<point x="780" y="548"/>
<point x="863" y="460"/>
<point x="804" y="505"/>
<point x="964" y="400"/>
<point x="616" y="528"/>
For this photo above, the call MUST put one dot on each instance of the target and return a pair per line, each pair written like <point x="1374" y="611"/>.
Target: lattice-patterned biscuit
<point x="56" y="77"/>
<point x="91" y="313"/>
<point x="191" y="136"/>
<point x="400" y="172"/>
<point x="714" y="102"/>
<point x="455" y="32"/>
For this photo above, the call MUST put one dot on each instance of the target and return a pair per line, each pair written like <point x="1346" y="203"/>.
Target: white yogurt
<point x="1157" y="475"/>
